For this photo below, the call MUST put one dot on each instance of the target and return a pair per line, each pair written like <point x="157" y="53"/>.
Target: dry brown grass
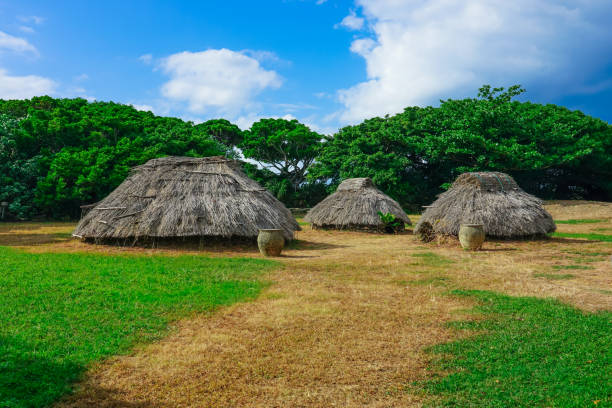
<point x="345" y="322"/>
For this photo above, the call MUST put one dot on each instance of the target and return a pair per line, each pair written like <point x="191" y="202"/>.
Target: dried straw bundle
<point x="183" y="197"/>
<point x="355" y="205"/>
<point x="489" y="198"/>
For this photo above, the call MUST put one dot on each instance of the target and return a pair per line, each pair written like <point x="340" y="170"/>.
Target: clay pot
<point x="270" y="242"/>
<point x="471" y="236"/>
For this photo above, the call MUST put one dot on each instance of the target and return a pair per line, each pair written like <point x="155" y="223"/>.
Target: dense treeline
<point x="56" y="154"/>
<point x="552" y="152"/>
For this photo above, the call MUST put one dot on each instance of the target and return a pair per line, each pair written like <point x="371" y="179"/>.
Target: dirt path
<point x="345" y="322"/>
<point x="327" y="333"/>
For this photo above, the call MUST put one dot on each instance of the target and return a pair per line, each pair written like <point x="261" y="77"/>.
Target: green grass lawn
<point x="61" y="312"/>
<point x="591" y="237"/>
<point x="579" y="221"/>
<point x="532" y="353"/>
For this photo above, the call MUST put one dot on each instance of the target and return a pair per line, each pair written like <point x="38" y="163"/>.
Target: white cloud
<point x="294" y="107"/>
<point x="352" y="21"/>
<point x="245" y="122"/>
<point x="146" y="58"/>
<point x="319" y="2"/>
<point x="21" y="87"/>
<point x="32" y="19"/>
<point x="261" y="55"/>
<point x="146" y="108"/>
<point x="82" y="77"/>
<point x="220" y="81"/>
<point x="26" y="29"/>
<point x="16" y="44"/>
<point x="426" y="50"/>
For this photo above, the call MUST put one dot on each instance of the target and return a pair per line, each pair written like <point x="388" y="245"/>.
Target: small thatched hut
<point x="355" y="205"/>
<point x="489" y="198"/>
<point x="186" y="197"/>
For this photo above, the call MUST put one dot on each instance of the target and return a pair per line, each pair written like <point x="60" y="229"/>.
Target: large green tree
<point x="221" y="130"/>
<point x="285" y="150"/>
<point x="56" y="154"/>
<point x="551" y="151"/>
<point x="60" y="153"/>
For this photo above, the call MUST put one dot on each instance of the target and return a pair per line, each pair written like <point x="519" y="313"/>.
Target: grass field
<point x="61" y="312"/>
<point x="354" y="319"/>
<point x="512" y="363"/>
<point x="589" y="236"/>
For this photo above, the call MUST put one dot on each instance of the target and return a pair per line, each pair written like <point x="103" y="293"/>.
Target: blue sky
<point x="327" y="63"/>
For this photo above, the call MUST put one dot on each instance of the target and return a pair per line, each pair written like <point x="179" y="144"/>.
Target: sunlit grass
<point x="61" y="312"/>
<point x="589" y="236"/>
<point x="579" y="221"/>
<point x="533" y="353"/>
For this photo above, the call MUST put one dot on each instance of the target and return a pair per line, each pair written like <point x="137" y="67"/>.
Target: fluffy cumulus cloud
<point x="352" y="21"/>
<point x="216" y="81"/>
<point x="423" y="50"/>
<point x="20" y="87"/>
<point x="16" y="44"/>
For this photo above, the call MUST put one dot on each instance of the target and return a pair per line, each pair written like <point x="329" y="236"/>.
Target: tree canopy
<point x="551" y="151"/>
<point x="62" y="153"/>
<point x="57" y="154"/>
<point x="285" y="150"/>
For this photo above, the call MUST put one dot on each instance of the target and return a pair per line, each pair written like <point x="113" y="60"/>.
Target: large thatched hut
<point x="489" y="198"/>
<point x="355" y="205"/>
<point x="186" y="197"/>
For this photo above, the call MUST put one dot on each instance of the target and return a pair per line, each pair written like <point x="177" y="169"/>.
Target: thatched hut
<point x="489" y="198"/>
<point x="185" y="197"/>
<point x="355" y="205"/>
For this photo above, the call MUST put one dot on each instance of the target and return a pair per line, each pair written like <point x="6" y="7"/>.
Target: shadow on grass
<point x="20" y="239"/>
<point x="299" y="244"/>
<point x="560" y="240"/>
<point x="485" y="249"/>
<point x="31" y="380"/>
<point x="28" y="379"/>
<point x="60" y="313"/>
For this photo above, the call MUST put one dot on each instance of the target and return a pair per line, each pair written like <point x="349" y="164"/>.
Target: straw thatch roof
<point x="355" y="205"/>
<point x="489" y="198"/>
<point x="186" y="197"/>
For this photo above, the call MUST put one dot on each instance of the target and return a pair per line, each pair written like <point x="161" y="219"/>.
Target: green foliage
<point x="18" y="172"/>
<point x="307" y="195"/>
<point x="61" y="312"/>
<point x="533" y="353"/>
<point x="221" y="130"/>
<point x="391" y="224"/>
<point x="551" y="151"/>
<point x="57" y="154"/>
<point x="286" y="146"/>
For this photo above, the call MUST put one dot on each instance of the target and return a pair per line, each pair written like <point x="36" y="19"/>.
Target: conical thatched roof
<point x="355" y="205"/>
<point x="489" y="198"/>
<point x="186" y="197"/>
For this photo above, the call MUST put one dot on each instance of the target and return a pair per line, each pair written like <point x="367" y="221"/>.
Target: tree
<point x="18" y="173"/>
<point x="285" y="146"/>
<point x="551" y="151"/>
<point x="221" y="130"/>
<point x="56" y="154"/>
